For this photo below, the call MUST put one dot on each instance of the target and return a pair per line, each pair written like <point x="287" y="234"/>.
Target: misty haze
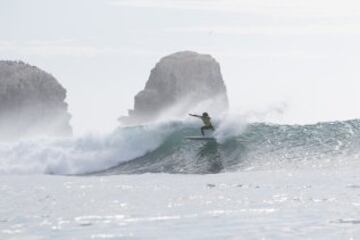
<point x="179" y="119"/>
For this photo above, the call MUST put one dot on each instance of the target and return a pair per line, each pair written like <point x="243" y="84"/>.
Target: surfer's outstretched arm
<point x="194" y="115"/>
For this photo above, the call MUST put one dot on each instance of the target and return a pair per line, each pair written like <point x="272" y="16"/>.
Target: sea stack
<point x="180" y="83"/>
<point x="31" y="103"/>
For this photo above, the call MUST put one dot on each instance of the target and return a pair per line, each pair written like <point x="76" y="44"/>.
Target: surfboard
<point x="201" y="138"/>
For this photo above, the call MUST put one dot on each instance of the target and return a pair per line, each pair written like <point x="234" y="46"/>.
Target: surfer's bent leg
<point x="202" y="130"/>
<point x="205" y="128"/>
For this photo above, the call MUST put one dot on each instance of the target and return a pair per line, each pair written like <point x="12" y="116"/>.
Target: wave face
<point x="162" y="148"/>
<point x="257" y="146"/>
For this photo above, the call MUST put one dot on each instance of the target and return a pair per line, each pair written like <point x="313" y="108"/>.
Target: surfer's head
<point x="205" y="114"/>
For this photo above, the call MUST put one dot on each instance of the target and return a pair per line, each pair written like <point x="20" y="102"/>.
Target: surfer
<point x="206" y="120"/>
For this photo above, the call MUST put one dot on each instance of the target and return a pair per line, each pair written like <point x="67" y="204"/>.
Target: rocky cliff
<point x="180" y="83"/>
<point x="31" y="103"/>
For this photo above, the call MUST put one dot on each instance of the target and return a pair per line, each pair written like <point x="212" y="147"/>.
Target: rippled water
<point x="310" y="204"/>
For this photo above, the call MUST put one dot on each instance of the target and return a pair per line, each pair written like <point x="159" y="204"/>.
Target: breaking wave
<point x="163" y="148"/>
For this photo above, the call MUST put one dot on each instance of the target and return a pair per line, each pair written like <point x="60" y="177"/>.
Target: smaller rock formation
<point x="31" y="103"/>
<point x="180" y="83"/>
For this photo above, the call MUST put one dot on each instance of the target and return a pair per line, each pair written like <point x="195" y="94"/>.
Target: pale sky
<point x="299" y="58"/>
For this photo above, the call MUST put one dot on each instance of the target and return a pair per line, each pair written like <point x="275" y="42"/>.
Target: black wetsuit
<point x="208" y="125"/>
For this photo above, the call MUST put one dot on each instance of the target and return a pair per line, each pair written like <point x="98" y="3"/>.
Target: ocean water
<point x="256" y="181"/>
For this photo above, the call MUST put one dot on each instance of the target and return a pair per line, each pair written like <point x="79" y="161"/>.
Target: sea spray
<point x="229" y="126"/>
<point x="81" y="155"/>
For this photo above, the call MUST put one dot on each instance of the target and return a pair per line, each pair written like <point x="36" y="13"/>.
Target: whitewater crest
<point x="163" y="148"/>
<point x="81" y="155"/>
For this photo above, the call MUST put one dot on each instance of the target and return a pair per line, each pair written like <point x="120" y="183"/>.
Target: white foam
<point x="228" y="127"/>
<point x="80" y="155"/>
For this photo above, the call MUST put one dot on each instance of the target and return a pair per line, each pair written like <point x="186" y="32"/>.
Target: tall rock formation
<point x="31" y="103"/>
<point x="180" y="83"/>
